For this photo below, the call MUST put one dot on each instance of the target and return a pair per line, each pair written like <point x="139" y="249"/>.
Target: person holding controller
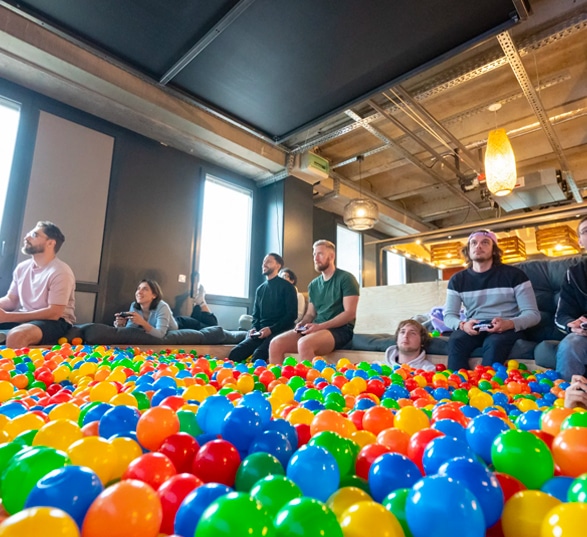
<point x="499" y="301"/>
<point x="571" y="315"/>
<point x="149" y="311"/>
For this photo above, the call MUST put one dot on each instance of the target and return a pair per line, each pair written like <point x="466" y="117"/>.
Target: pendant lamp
<point x="500" y="164"/>
<point x="360" y="214"/>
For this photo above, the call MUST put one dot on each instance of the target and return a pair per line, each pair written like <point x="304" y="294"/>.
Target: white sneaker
<point x="200" y="297"/>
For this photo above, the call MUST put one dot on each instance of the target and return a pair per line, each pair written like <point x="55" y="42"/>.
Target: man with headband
<point x="498" y="299"/>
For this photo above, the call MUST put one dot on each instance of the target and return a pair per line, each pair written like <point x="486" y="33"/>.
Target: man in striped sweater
<point x="499" y="303"/>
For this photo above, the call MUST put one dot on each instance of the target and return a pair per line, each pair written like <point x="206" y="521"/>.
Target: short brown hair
<point x="52" y="232"/>
<point x="424" y="335"/>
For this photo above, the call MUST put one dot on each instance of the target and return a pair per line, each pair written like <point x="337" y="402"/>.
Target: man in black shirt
<point x="275" y="311"/>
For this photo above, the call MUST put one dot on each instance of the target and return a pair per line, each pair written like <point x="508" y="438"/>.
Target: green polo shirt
<point x="326" y="296"/>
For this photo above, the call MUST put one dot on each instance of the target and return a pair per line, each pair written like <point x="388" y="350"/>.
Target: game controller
<point x="125" y="314"/>
<point x="482" y="327"/>
<point x="255" y="334"/>
<point x="301" y="328"/>
<point x="584" y="326"/>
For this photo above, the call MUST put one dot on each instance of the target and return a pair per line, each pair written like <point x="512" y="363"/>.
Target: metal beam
<point x="513" y="57"/>
<point x="237" y="10"/>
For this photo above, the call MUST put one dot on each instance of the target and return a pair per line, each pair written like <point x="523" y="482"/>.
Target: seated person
<point x="290" y="276"/>
<point x="499" y="301"/>
<point x="148" y="312"/>
<point x="39" y="305"/>
<point x="329" y="321"/>
<point x="571" y="316"/>
<point x="274" y="312"/>
<point x="201" y="315"/>
<point x="576" y="393"/>
<point x="411" y="339"/>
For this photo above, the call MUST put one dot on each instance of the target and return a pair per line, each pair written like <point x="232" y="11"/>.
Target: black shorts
<point x="52" y="330"/>
<point x="342" y="335"/>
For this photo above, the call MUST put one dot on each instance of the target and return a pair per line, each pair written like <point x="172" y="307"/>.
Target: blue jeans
<point x="571" y="356"/>
<point x="495" y="347"/>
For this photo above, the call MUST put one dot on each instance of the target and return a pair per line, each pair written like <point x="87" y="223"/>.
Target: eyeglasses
<point x="36" y="235"/>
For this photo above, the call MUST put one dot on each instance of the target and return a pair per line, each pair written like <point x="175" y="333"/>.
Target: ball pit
<point x="104" y="441"/>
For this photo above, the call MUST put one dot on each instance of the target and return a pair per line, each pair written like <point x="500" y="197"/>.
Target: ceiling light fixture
<point x="557" y="241"/>
<point x="500" y="162"/>
<point x="360" y="214"/>
<point x="513" y="249"/>
<point x="446" y="253"/>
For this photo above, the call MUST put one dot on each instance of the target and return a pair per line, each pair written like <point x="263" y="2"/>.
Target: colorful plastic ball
<point x="524" y="456"/>
<point x="7" y="451"/>
<point x="411" y="420"/>
<point x="315" y="471"/>
<point x="24" y="471"/>
<point x="235" y="514"/>
<point x="565" y="520"/>
<point x="377" y="418"/>
<point x="552" y="420"/>
<point x="284" y="427"/>
<point x="171" y="494"/>
<point x="451" y="428"/>
<point x="338" y="447"/>
<point x="257" y="402"/>
<point x="117" y="420"/>
<point x="194" y="504"/>
<point x="418" y="443"/>
<point x="395" y="503"/>
<point x="58" y="434"/>
<point x="126" y="450"/>
<point x="439" y="506"/>
<point x="275" y="443"/>
<point x="344" y="498"/>
<point x="481" y="482"/>
<point x="578" y="490"/>
<point x="523" y="513"/>
<point x="482" y="431"/>
<point x="152" y="468"/>
<point x="558" y="486"/>
<point x="569" y="450"/>
<point x="240" y="427"/>
<point x="442" y="449"/>
<point x="97" y="454"/>
<point x="392" y="471"/>
<point x="274" y="491"/>
<point x="155" y="425"/>
<point x="181" y="448"/>
<point x="217" y="461"/>
<point x="37" y="521"/>
<point x="188" y="423"/>
<point x="369" y="518"/>
<point x="306" y="517"/>
<point x="128" y="508"/>
<point x="254" y="467"/>
<point x="71" y="489"/>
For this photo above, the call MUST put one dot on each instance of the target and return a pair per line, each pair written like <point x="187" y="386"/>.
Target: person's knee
<point x="23" y="336"/>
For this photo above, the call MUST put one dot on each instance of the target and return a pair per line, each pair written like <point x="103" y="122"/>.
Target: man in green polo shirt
<point x="330" y="318"/>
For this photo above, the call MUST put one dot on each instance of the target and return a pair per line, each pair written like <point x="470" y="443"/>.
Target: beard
<point x="407" y="348"/>
<point x="29" y="249"/>
<point x="321" y="267"/>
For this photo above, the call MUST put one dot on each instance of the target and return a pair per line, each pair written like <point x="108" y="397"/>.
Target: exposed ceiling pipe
<point x="535" y="102"/>
<point x="414" y="160"/>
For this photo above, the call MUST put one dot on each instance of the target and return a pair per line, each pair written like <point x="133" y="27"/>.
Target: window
<point x="349" y="251"/>
<point x="226" y="238"/>
<point x="396" y="268"/>
<point x="9" y="117"/>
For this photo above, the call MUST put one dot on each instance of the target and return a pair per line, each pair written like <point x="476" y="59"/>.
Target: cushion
<point x="102" y="334"/>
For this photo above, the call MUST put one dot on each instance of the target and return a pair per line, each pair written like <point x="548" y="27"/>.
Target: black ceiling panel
<point x="281" y="65"/>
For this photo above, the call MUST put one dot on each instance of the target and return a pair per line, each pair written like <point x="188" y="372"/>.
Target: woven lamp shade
<point x="557" y="241"/>
<point x="360" y="214"/>
<point x="446" y="253"/>
<point x="513" y="248"/>
<point x="500" y="164"/>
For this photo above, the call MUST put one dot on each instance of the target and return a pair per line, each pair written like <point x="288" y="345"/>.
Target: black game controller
<point x="584" y="326"/>
<point x="255" y="334"/>
<point x="125" y="314"/>
<point x="301" y="328"/>
<point x="482" y="327"/>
